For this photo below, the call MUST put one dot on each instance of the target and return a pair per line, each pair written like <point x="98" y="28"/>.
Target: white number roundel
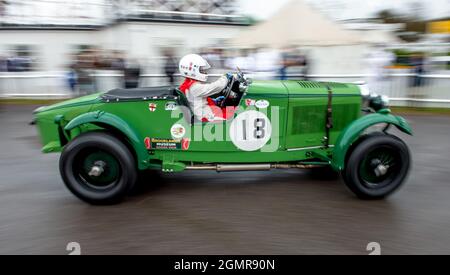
<point x="250" y="130"/>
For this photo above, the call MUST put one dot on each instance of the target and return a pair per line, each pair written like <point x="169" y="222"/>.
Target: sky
<point x="262" y="9"/>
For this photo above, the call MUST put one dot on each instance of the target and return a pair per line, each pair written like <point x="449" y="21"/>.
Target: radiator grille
<point x="311" y="119"/>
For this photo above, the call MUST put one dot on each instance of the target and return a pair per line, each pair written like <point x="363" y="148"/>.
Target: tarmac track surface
<point x="275" y="212"/>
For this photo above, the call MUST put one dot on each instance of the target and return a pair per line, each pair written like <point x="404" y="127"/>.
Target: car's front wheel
<point x="98" y="168"/>
<point x="377" y="166"/>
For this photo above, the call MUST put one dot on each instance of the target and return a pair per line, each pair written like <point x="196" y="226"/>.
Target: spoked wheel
<point x="98" y="168"/>
<point x="377" y="166"/>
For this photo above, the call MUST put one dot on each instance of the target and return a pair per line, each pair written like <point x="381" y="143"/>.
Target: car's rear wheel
<point x="98" y="168"/>
<point x="377" y="166"/>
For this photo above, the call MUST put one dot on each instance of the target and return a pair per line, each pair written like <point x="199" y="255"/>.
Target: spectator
<point x="287" y="60"/>
<point x="118" y="61"/>
<point x="306" y="67"/>
<point x="84" y="68"/>
<point x="132" y="73"/>
<point x="378" y="62"/>
<point x="291" y="58"/>
<point x="241" y="60"/>
<point x="213" y="56"/>
<point x="3" y="4"/>
<point x="220" y="60"/>
<point x="3" y="64"/>
<point x="170" y="66"/>
<point x="417" y="61"/>
<point x="18" y="64"/>
<point x="72" y="80"/>
<point x="267" y="63"/>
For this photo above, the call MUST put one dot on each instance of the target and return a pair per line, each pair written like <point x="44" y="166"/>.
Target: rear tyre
<point x="98" y="168"/>
<point x="377" y="166"/>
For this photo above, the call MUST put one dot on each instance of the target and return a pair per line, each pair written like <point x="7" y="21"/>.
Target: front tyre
<point x="377" y="166"/>
<point x="98" y="168"/>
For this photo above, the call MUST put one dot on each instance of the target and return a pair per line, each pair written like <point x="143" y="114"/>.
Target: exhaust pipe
<point x="242" y="167"/>
<point x="248" y="167"/>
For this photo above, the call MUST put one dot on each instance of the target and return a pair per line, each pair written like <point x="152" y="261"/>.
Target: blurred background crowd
<point x="52" y="48"/>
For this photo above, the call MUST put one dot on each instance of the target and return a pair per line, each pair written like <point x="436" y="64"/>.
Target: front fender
<point x="108" y="120"/>
<point x="352" y="132"/>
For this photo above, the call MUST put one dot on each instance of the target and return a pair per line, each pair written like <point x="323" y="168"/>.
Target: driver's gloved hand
<point x="229" y="76"/>
<point x="219" y="99"/>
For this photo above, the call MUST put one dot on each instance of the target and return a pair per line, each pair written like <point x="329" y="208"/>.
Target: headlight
<point x="372" y="100"/>
<point x="385" y="100"/>
<point x="379" y="102"/>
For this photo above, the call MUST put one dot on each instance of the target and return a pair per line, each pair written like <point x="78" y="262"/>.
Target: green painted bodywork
<point x="298" y="126"/>
<point x="353" y="131"/>
<point x="110" y="121"/>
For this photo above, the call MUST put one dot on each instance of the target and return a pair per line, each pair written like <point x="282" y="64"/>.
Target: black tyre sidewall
<point x="111" y="145"/>
<point x="351" y="174"/>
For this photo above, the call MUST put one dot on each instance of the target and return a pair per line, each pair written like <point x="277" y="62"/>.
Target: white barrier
<point x="434" y="92"/>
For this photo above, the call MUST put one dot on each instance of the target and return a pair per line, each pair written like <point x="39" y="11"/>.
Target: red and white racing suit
<point x="197" y="94"/>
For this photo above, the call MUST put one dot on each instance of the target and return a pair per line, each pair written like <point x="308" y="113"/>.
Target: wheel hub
<point x="97" y="169"/>
<point x="381" y="170"/>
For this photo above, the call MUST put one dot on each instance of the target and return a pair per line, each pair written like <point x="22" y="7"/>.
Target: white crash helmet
<point x="194" y="66"/>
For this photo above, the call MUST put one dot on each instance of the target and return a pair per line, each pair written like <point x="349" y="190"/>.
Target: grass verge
<point x="420" y="111"/>
<point x="23" y="101"/>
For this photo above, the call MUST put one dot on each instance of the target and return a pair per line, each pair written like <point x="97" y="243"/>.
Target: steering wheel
<point x="227" y="92"/>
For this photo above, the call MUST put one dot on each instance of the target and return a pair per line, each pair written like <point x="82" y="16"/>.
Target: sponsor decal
<point x="163" y="143"/>
<point x="170" y="106"/>
<point x="262" y="104"/>
<point x="148" y="143"/>
<point x="250" y="102"/>
<point x="167" y="143"/>
<point x="177" y="131"/>
<point x="152" y="107"/>
<point x="185" y="142"/>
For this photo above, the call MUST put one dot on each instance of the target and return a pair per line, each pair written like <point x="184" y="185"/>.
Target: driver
<point x="193" y="67"/>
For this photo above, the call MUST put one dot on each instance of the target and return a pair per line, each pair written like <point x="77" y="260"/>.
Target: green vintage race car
<point x="106" y="139"/>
